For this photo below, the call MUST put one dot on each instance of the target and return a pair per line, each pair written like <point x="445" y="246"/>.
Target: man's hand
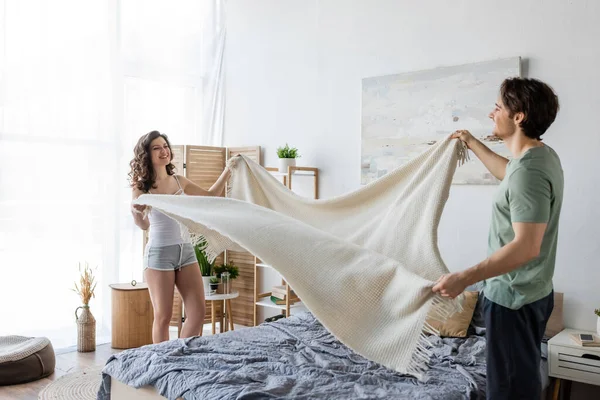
<point x="450" y="285"/>
<point x="465" y="136"/>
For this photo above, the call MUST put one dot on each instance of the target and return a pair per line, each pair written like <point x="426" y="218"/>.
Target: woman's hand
<point x="138" y="208"/>
<point x="232" y="162"/>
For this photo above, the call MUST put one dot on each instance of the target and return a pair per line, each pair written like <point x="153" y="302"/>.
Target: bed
<point x="296" y="358"/>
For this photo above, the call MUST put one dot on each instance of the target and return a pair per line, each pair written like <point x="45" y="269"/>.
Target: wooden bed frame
<point x="121" y="391"/>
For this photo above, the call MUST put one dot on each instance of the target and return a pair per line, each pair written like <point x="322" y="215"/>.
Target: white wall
<point x="294" y="70"/>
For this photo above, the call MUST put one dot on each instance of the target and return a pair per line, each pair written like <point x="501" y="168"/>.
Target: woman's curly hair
<point x="142" y="175"/>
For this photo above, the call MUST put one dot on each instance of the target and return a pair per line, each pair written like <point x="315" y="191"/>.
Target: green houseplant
<point x="229" y="267"/>
<point x="287" y="157"/>
<point x="206" y="267"/>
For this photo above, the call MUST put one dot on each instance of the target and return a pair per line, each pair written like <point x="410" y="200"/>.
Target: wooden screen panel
<point x="203" y="166"/>
<point x="177" y="315"/>
<point x="243" y="306"/>
<point x="252" y="152"/>
<point x="178" y="158"/>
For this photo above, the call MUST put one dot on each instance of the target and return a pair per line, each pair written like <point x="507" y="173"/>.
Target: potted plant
<point x="214" y="284"/>
<point x="206" y="267"/>
<point x="287" y="157"/>
<point x="597" y="312"/>
<point x="86" y="323"/>
<point x="229" y="267"/>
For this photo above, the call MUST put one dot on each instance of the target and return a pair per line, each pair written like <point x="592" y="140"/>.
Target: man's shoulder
<point x="544" y="162"/>
<point x="542" y="157"/>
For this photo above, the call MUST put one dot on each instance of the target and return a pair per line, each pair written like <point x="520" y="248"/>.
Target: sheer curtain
<point x="80" y="82"/>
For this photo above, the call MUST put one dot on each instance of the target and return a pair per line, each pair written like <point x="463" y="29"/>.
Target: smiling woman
<point x="170" y="259"/>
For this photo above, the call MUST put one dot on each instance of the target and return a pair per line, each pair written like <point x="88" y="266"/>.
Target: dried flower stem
<point x="86" y="285"/>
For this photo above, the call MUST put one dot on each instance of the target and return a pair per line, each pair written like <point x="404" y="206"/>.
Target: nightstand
<point x="569" y="361"/>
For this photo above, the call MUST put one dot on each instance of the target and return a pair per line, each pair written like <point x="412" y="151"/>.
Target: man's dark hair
<point x="535" y="99"/>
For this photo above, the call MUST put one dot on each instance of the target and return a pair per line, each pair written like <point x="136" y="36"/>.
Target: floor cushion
<point x="25" y="359"/>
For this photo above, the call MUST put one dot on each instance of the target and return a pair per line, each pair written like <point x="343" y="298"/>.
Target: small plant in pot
<point x="287" y="157"/>
<point x="206" y="267"/>
<point x="229" y="268"/>
<point x="214" y="283"/>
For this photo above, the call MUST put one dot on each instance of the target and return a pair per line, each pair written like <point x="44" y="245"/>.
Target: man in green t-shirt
<point x="517" y="275"/>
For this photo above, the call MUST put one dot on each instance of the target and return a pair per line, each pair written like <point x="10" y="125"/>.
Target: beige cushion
<point x="555" y="323"/>
<point x="24" y="359"/>
<point x="458" y="324"/>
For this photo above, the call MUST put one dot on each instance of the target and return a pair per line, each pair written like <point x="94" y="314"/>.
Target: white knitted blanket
<point x="364" y="263"/>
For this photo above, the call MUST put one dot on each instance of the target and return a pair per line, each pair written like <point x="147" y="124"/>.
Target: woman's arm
<point x="137" y="210"/>
<point x="190" y="188"/>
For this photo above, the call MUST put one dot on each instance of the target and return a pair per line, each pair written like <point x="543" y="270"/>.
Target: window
<point x="80" y="82"/>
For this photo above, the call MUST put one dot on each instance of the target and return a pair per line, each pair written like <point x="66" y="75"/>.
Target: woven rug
<point x="80" y="385"/>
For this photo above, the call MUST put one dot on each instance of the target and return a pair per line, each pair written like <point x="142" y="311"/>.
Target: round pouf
<point x="25" y="359"/>
<point x="81" y="385"/>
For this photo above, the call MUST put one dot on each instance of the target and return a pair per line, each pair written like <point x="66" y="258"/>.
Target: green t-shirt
<point x="531" y="191"/>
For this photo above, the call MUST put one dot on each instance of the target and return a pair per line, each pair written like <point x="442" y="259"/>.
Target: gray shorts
<point x="169" y="258"/>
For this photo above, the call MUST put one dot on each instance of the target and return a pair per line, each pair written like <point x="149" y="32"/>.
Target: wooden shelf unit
<point x="264" y="299"/>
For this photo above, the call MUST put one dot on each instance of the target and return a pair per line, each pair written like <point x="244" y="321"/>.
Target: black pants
<point x="513" y="339"/>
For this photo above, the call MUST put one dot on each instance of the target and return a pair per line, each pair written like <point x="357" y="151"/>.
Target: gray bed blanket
<point x="294" y="358"/>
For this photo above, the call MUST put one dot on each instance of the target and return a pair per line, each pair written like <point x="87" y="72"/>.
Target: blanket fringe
<point x="440" y="310"/>
<point x="197" y="238"/>
<point x="462" y="151"/>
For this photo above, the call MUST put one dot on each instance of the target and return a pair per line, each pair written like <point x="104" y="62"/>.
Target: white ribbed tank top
<point x="164" y="231"/>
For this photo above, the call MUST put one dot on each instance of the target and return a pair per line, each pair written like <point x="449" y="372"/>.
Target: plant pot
<point x="206" y="282"/>
<point x="284" y="163"/>
<point x="598" y="326"/>
<point x="214" y="287"/>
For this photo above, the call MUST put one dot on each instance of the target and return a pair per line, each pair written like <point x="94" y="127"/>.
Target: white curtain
<point x="212" y="63"/>
<point x="80" y="82"/>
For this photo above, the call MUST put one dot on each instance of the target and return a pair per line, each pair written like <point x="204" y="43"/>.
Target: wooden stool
<point x="132" y="315"/>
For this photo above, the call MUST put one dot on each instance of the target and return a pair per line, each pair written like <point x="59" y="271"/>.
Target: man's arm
<point x="529" y="195"/>
<point x="495" y="163"/>
<point x="523" y="248"/>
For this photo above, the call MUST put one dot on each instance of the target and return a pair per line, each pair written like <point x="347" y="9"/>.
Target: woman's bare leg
<point x="190" y="286"/>
<point x="161" y="286"/>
